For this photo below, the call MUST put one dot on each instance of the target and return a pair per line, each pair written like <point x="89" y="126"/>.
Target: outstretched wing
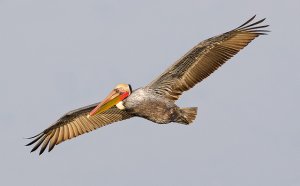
<point x="204" y="59"/>
<point x="75" y="123"/>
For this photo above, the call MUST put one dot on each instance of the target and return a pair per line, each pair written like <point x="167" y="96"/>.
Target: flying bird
<point x="155" y="101"/>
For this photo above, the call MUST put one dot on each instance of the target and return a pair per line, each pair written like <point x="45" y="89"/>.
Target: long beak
<point x="111" y="100"/>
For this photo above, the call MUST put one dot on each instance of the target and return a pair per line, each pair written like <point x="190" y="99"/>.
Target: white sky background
<point x="59" y="55"/>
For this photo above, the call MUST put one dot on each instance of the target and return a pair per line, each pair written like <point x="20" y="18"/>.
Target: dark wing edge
<point x="204" y="59"/>
<point x="73" y="124"/>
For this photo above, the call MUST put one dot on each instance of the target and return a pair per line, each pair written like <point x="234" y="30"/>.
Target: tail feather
<point x="187" y="115"/>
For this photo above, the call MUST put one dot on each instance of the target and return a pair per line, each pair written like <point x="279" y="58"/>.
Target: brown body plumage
<point x="156" y="101"/>
<point x="147" y="104"/>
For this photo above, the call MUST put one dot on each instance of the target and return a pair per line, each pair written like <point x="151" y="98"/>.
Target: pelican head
<point x="117" y="95"/>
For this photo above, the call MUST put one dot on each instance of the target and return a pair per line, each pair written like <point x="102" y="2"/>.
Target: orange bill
<point x="111" y="100"/>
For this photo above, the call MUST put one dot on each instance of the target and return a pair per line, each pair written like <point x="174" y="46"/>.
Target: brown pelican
<point x="156" y="101"/>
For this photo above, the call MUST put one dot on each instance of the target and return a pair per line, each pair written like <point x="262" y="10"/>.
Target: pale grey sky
<point x="59" y="55"/>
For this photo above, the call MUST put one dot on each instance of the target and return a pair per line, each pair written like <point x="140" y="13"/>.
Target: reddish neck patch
<point x="124" y="95"/>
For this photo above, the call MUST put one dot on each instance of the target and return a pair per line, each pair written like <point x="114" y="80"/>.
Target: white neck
<point x="120" y="105"/>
